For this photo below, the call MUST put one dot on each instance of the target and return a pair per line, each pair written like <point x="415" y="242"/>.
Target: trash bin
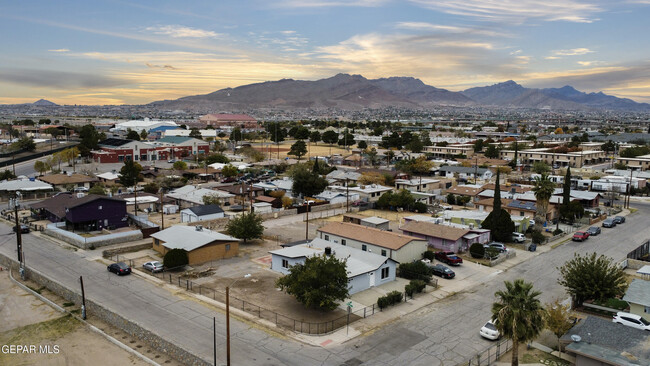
<point x="532" y="247"/>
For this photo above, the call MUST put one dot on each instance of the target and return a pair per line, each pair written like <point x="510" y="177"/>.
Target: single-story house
<point x="367" y="193"/>
<point x="83" y="212"/>
<point x="446" y="237"/>
<point x="262" y="207"/>
<point x="418" y="184"/>
<point x="274" y="201"/>
<point x="340" y="177"/>
<point x="337" y="196"/>
<point x="202" y="245"/>
<point x="466" y="190"/>
<point x="365" y="269"/>
<point x="242" y="191"/>
<point x="190" y="195"/>
<point x="638" y="296"/>
<point x="465" y="173"/>
<point x="62" y="182"/>
<point x="399" y="247"/>
<point x="596" y="341"/>
<point x="202" y="213"/>
<point x="375" y="222"/>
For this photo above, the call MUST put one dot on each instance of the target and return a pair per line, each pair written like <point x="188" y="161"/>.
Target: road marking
<point x="326" y="342"/>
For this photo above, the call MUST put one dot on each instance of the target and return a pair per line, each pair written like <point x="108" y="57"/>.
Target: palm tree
<point x="543" y="189"/>
<point x="518" y="314"/>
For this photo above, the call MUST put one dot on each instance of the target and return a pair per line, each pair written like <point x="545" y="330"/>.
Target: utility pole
<point x="347" y="196"/>
<point x="214" y="339"/>
<point x="19" y="238"/>
<point x="83" y="298"/>
<point x="162" y="211"/>
<point x="228" y="325"/>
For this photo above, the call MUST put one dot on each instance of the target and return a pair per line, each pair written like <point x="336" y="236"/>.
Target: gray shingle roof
<point x="206" y="210"/>
<point x="188" y="238"/>
<point x="638" y="293"/>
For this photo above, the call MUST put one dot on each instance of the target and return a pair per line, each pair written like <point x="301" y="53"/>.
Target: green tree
<point x="132" y="135"/>
<point x="513" y="163"/>
<point x="7" y="175"/>
<point x="492" y="152"/>
<point x="175" y="258"/>
<point x="305" y="182"/>
<point x="53" y="131"/>
<point x="518" y="314"/>
<point x="592" y="277"/>
<point x="541" y="167"/>
<point x="246" y="226"/>
<point x="347" y="139"/>
<point x="236" y="135"/>
<point x="41" y="167"/>
<point x="229" y="171"/>
<point x="478" y="145"/>
<point x="451" y="199"/>
<point x="217" y="158"/>
<point x="298" y="149"/>
<point x="97" y="189"/>
<point x="566" y="197"/>
<point x="415" y="145"/>
<point x="321" y="282"/>
<point x="302" y="133"/>
<point x="143" y="135"/>
<point x="543" y="190"/>
<point x="179" y="165"/>
<point x="372" y="156"/>
<point x="608" y="146"/>
<point x="151" y="187"/>
<point x="314" y="137"/>
<point x="330" y="137"/>
<point x="129" y="177"/>
<point x="195" y="133"/>
<point x="24" y="143"/>
<point x="362" y="144"/>
<point x="211" y="199"/>
<point x="558" y="320"/>
<point x="498" y="220"/>
<point x="90" y="138"/>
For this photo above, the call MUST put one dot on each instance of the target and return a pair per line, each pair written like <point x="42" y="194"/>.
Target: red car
<point x="580" y="236"/>
<point x="449" y="258"/>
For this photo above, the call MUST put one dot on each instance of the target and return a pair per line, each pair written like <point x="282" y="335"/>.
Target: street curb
<point x="92" y="327"/>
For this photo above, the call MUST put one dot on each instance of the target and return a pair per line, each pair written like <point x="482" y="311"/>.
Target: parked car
<point x="631" y="320"/>
<point x="171" y="161"/>
<point x="153" y="266"/>
<point x="580" y="236"/>
<point x="619" y="219"/>
<point x="442" y="271"/>
<point x="609" y="222"/>
<point x="489" y="331"/>
<point x="24" y="229"/>
<point x="593" y="230"/>
<point x="518" y="237"/>
<point x="498" y="246"/>
<point x="449" y="258"/>
<point x="119" y="268"/>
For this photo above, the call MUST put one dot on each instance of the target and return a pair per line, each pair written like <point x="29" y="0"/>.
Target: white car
<point x="490" y="331"/>
<point x="518" y="237"/>
<point x="153" y="266"/>
<point x="631" y="320"/>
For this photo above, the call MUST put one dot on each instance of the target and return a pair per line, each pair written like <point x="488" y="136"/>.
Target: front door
<point x="372" y="279"/>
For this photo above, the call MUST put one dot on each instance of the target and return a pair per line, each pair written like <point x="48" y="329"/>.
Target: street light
<point x="307" y="220"/>
<point x="228" y="318"/>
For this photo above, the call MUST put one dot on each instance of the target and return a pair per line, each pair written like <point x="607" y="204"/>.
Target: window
<point x="227" y="247"/>
<point x="99" y="207"/>
<point x="156" y="241"/>
<point x="285" y="263"/>
<point x="364" y="247"/>
<point x="385" y="272"/>
<point x="343" y="242"/>
<point x="327" y="237"/>
<point x="646" y="309"/>
<point x="383" y="252"/>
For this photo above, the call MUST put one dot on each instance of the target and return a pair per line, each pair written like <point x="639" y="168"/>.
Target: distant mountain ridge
<point x="511" y="94"/>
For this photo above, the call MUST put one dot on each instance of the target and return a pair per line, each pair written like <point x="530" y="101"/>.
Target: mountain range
<point x="351" y="92"/>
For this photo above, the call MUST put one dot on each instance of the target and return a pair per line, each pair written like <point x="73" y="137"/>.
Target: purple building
<point x="83" y="213"/>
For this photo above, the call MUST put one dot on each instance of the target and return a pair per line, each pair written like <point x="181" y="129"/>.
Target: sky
<point x="135" y="52"/>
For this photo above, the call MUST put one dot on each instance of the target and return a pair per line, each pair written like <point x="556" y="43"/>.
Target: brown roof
<point x="56" y="179"/>
<point x="434" y="230"/>
<point x="57" y="204"/>
<point x="266" y="199"/>
<point x="490" y="202"/>
<point x="464" y="191"/>
<point x="508" y="188"/>
<point x="381" y="238"/>
<point x="239" y="188"/>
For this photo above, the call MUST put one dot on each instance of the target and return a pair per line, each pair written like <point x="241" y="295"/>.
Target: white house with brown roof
<point x="399" y="247"/>
<point x="445" y="237"/>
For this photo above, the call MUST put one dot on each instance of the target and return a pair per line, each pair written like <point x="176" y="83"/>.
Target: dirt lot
<point x="314" y="150"/>
<point x="29" y="321"/>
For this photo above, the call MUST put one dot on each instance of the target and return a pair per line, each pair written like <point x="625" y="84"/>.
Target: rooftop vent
<point x="199" y="227"/>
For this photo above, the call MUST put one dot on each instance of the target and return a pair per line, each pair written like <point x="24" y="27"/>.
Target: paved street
<point x="444" y="333"/>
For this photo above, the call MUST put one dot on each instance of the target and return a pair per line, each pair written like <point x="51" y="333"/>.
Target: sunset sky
<point x="135" y="52"/>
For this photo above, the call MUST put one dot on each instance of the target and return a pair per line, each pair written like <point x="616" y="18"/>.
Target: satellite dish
<point x="576" y="338"/>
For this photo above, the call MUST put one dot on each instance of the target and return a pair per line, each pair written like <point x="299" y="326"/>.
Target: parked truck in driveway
<point x="449" y="257"/>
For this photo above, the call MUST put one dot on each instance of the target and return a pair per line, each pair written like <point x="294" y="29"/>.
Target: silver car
<point x="153" y="266"/>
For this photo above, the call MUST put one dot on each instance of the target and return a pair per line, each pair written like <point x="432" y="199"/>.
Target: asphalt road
<point x="444" y="333"/>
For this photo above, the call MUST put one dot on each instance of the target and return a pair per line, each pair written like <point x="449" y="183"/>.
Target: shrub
<point x="415" y="271"/>
<point x="557" y="231"/>
<point x="419" y="285"/>
<point x="420" y="207"/>
<point x="395" y="297"/>
<point x="383" y="302"/>
<point x="409" y="289"/>
<point x="491" y="252"/>
<point x="477" y="250"/>
<point x="537" y="237"/>
<point x="175" y="258"/>
<point x="428" y="255"/>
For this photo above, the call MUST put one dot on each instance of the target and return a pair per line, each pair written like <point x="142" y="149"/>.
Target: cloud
<point x="152" y="66"/>
<point x="429" y="27"/>
<point x="330" y="3"/>
<point x="517" y="11"/>
<point x="178" y="31"/>
<point x="61" y="50"/>
<point x="591" y="63"/>
<point x="572" y="52"/>
<point x="57" y="79"/>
